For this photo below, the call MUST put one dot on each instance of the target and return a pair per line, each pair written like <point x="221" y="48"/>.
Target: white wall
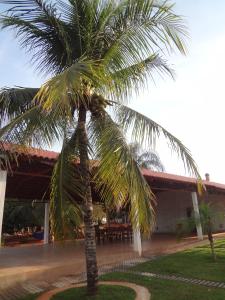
<point x="218" y="206"/>
<point x="173" y="205"/>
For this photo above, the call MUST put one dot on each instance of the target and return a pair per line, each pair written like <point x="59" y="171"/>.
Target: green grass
<point x="194" y="263"/>
<point x="169" y="290"/>
<point x="104" y="293"/>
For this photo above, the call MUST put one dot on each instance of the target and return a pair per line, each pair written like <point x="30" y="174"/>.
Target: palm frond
<point x="74" y="15"/>
<point x="73" y="87"/>
<point x="118" y="177"/>
<point x="134" y="78"/>
<point x="145" y="130"/>
<point x="147" y="159"/>
<point x="135" y="150"/>
<point x="150" y="160"/>
<point x="66" y="190"/>
<point x="35" y="127"/>
<point x="141" y="28"/>
<point x="15" y="101"/>
<point x="41" y="32"/>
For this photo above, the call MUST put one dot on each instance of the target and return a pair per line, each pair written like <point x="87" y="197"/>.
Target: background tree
<point x="208" y="213"/>
<point x="147" y="159"/>
<point x="21" y="215"/>
<point x="97" y="55"/>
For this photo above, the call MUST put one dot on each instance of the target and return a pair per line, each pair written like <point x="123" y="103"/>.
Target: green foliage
<point x="104" y="293"/>
<point x="146" y="131"/>
<point x="15" y="101"/>
<point x="96" y="54"/>
<point x="66" y="190"/>
<point x="168" y="289"/>
<point x="98" y="212"/>
<point x="206" y="218"/>
<point x="208" y="212"/>
<point x="191" y="263"/>
<point x="21" y="215"/>
<point x="129" y="184"/>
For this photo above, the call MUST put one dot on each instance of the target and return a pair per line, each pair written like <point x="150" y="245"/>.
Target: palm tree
<point x="21" y="215"/>
<point x="146" y="159"/>
<point x="97" y="54"/>
<point x="208" y="212"/>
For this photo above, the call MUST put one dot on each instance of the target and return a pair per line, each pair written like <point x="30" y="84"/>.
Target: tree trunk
<point x="211" y="241"/>
<point x="90" y="243"/>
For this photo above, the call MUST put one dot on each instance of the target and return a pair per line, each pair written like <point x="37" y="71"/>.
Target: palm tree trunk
<point x="211" y="241"/>
<point x="90" y="243"/>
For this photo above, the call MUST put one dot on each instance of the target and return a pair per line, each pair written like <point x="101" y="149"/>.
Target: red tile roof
<point x="180" y="179"/>
<point x="33" y="152"/>
<point x="149" y="175"/>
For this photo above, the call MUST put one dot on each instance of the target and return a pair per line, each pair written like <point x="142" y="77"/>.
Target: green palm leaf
<point x="145" y="130"/>
<point x="142" y="28"/>
<point x="35" y="127"/>
<point x="41" y="32"/>
<point x="66" y="190"/>
<point x="130" y="80"/>
<point x="72" y="88"/>
<point x="118" y="177"/>
<point x="15" y="101"/>
<point x="93" y="50"/>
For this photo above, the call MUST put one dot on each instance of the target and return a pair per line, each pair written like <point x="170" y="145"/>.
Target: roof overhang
<point x="30" y="176"/>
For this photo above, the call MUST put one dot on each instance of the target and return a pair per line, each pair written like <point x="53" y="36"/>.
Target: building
<point x="176" y="196"/>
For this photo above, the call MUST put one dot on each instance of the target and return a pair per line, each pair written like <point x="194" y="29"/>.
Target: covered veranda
<point x="29" y="179"/>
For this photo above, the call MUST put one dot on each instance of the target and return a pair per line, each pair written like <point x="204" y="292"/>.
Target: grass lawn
<point x="194" y="263"/>
<point x="168" y="290"/>
<point x="104" y="293"/>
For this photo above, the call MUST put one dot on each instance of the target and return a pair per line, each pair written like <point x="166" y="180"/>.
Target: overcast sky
<point x="191" y="107"/>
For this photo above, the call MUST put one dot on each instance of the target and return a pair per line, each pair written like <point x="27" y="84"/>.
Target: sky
<point x="192" y="107"/>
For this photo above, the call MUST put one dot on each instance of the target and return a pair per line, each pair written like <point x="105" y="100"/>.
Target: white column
<point x="137" y="241"/>
<point x="197" y="215"/>
<point x="46" y="224"/>
<point x="3" y="177"/>
<point x="137" y="235"/>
